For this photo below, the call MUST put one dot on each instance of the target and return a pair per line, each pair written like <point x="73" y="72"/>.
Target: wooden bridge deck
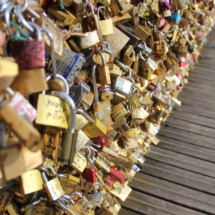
<point x="179" y="173"/>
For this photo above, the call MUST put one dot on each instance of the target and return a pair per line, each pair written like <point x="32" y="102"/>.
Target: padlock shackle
<point x="82" y="112"/>
<point x="36" y="202"/>
<point x="122" y="66"/>
<point x="19" y="15"/>
<point x="96" y="95"/>
<point x="7" y="17"/>
<point x="71" y="103"/>
<point x="88" y="156"/>
<point x="53" y="60"/>
<point x="76" y="193"/>
<point x="38" y="30"/>
<point x="62" y="79"/>
<point x="91" y="7"/>
<point x="101" y="55"/>
<point x="104" y="8"/>
<point x="109" y="52"/>
<point x="97" y="183"/>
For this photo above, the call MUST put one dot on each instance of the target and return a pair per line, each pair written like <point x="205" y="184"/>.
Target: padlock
<point x="82" y="140"/>
<point x="143" y="11"/>
<point x="30" y="54"/>
<point x="31" y="80"/>
<point x="69" y="137"/>
<point x="101" y="108"/>
<point x="139" y="114"/>
<point x="53" y="187"/>
<point x="98" y="196"/>
<point x="89" y="173"/>
<point x="68" y="209"/>
<point x="117" y="175"/>
<point x="51" y="111"/>
<point x="159" y="46"/>
<point x="63" y="16"/>
<point x="52" y="142"/>
<point x="118" y="112"/>
<point x="91" y="40"/>
<point x="129" y="56"/>
<point x="102" y="72"/>
<point x="105" y="26"/>
<point x="141" y="32"/>
<point x="69" y="64"/>
<point x="164" y="26"/>
<point x="122" y="85"/>
<point x="90" y="23"/>
<point x="94" y="128"/>
<point x="24" y="130"/>
<point x="29" y="177"/>
<point x="57" y="36"/>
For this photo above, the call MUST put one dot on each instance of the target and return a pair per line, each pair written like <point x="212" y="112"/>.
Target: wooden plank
<point x="186" y="149"/>
<point x="178" y="179"/>
<point x="198" y="102"/>
<point x="173" y="193"/>
<point x="185" y="145"/>
<point x="175" y="188"/>
<point x="138" y="206"/>
<point x="125" y="211"/>
<point x="193" y="118"/>
<point x="161" y="205"/>
<point x="187" y="126"/>
<point x="198" y="110"/>
<point x="198" y="140"/>
<point x="184" y="158"/>
<point x="177" y="161"/>
<point x="199" y="85"/>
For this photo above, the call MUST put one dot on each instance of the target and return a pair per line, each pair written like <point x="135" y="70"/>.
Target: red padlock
<point x="89" y="173"/>
<point x="100" y="140"/>
<point x="117" y="175"/>
<point x="30" y="54"/>
<point x="110" y="181"/>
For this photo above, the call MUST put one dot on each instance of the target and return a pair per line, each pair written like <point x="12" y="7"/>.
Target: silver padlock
<point x="122" y="85"/>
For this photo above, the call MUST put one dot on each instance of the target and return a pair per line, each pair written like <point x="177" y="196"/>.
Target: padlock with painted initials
<point x="30" y="56"/>
<point x="98" y="196"/>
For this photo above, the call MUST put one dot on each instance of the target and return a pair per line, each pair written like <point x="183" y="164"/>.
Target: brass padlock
<point x="105" y="26"/>
<point x="129" y="56"/>
<point x="102" y="72"/>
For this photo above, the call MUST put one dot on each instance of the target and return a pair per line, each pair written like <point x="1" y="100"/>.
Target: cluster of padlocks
<point x="84" y="87"/>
